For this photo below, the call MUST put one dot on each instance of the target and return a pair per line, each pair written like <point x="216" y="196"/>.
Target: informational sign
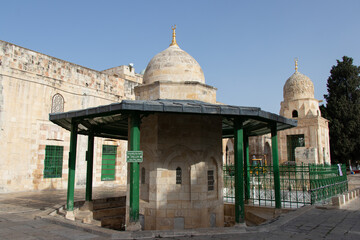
<point x="134" y="156"/>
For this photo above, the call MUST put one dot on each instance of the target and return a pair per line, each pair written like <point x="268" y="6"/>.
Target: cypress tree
<point x="343" y="111"/>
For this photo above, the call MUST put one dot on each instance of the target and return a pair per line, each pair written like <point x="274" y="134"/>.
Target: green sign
<point x="134" y="156"/>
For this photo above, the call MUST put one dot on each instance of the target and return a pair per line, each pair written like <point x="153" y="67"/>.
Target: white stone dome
<point x="174" y="65"/>
<point x="298" y="86"/>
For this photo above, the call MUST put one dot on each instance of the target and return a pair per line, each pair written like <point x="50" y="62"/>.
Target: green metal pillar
<point x="134" y="168"/>
<point x="246" y="168"/>
<point x="276" y="170"/>
<point x="72" y="163"/>
<point x="89" y="167"/>
<point x="239" y="171"/>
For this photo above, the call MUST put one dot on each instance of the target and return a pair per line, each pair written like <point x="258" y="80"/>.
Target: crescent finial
<point x="173" y="43"/>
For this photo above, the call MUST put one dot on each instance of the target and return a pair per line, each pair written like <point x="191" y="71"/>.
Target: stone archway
<point x="229" y="152"/>
<point x="267" y="154"/>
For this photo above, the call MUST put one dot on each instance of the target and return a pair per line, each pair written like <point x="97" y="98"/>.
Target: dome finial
<point x="296" y="64"/>
<point x="174" y="43"/>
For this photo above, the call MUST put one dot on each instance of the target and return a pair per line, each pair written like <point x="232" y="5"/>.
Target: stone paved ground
<point x="315" y="223"/>
<point x="354" y="181"/>
<point x="327" y="223"/>
<point x="18" y="226"/>
<point x="18" y="221"/>
<point x="19" y="210"/>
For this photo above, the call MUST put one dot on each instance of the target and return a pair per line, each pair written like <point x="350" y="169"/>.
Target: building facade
<point x="307" y="143"/>
<point x="34" y="151"/>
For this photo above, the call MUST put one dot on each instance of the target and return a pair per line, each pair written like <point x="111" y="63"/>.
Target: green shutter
<point x="108" y="163"/>
<point x="53" y="161"/>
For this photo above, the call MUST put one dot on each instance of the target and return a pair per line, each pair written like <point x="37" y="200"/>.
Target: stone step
<point x="109" y="203"/>
<point x="116" y="223"/>
<point x="93" y="222"/>
<point x="109" y="212"/>
<point x="61" y="211"/>
<point x="229" y="221"/>
<point x="254" y="218"/>
<point x="86" y="217"/>
<point x="82" y="215"/>
<point x="110" y="199"/>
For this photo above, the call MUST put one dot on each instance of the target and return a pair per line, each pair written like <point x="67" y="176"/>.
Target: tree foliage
<point x="343" y="111"/>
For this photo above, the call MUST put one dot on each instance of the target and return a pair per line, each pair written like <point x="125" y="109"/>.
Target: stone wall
<point x="175" y="90"/>
<point x="316" y="133"/>
<point x="189" y="142"/>
<point x="304" y="107"/>
<point x="28" y="82"/>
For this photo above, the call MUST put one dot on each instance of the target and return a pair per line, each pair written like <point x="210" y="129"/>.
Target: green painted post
<point x="246" y="168"/>
<point x="276" y="170"/>
<point x="89" y="167"/>
<point x="134" y="168"/>
<point x="72" y="163"/>
<point x="239" y="171"/>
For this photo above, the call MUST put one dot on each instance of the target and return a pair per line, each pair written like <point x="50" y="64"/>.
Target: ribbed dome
<point x="298" y="86"/>
<point x="175" y="65"/>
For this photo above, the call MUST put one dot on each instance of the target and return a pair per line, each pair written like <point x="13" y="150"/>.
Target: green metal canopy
<point x="111" y="121"/>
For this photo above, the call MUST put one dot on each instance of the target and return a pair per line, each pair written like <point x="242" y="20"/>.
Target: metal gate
<point x="294" y="141"/>
<point x="299" y="184"/>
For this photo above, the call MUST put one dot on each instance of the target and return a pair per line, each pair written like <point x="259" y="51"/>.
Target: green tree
<point x="343" y="111"/>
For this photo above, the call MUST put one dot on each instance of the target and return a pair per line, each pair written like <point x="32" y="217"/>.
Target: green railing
<point x="325" y="181"/>
<point x="299" y="184"/>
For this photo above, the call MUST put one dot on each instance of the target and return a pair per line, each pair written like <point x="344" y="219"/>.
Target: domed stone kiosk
<point x="181" y="172"/>
<point x="309" y="141"/>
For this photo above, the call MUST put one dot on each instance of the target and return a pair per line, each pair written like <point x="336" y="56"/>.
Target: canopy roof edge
<point x="110" y="120"/>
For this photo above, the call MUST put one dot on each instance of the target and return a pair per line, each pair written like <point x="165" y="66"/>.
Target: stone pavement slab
<point x="38" y="229"/>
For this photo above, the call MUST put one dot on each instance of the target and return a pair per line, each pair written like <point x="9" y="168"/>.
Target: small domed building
<point x="309" y="141"/>
<point x="178" y="165"/>
<point x="306" y="143"/>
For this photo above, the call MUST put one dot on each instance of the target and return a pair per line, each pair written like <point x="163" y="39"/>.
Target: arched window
<point x="294" y="114"/>
<point x="57" y="104"/>
<point x="142" y="175"/>
<point x="178" y="175"/>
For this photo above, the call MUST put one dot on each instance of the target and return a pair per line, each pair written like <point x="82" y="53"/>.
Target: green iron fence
<point x="299" y="184"/>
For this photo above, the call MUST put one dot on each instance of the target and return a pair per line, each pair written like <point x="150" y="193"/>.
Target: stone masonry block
<point x="160" y="213"/>
<point x="170" y="213"/>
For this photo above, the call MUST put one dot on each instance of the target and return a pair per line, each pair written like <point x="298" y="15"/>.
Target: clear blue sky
<point x="246" y="48"/>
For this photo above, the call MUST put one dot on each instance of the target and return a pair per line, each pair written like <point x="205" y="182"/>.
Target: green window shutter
<point x="53" y="161"/>
<point x="108" y="163"/>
